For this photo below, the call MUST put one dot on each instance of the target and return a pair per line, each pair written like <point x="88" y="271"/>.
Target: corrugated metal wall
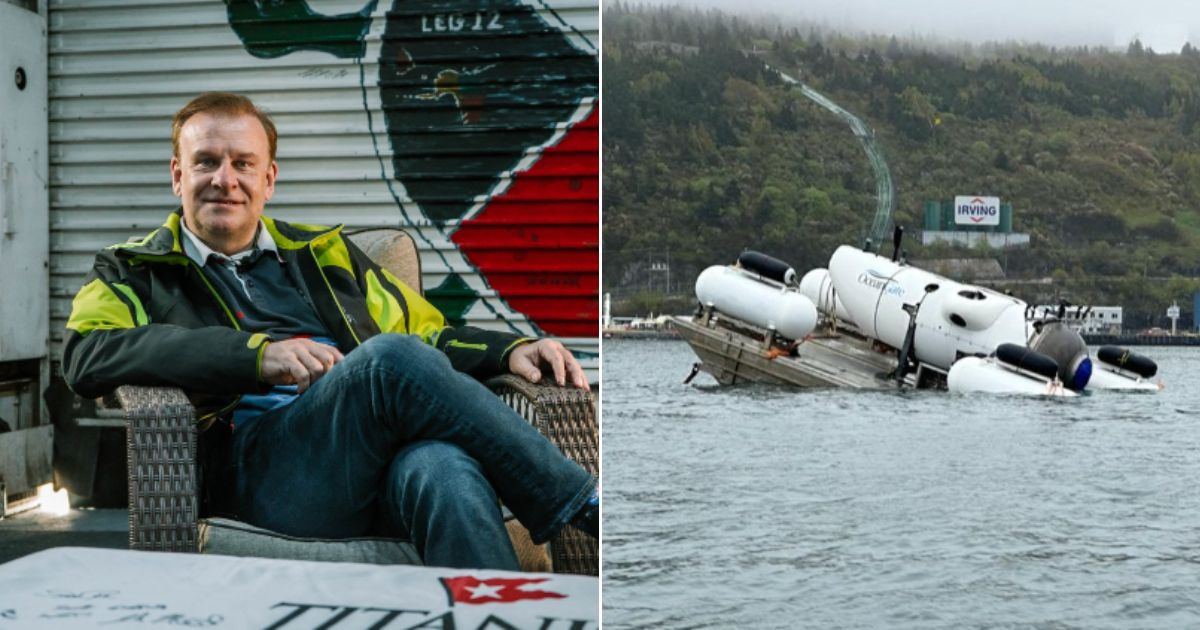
<point x="475" y="124"/>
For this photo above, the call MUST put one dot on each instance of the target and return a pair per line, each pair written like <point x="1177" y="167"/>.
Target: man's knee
<point x="406" y="352"/>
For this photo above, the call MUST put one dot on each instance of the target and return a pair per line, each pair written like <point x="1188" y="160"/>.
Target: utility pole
<point x="663" y="267"/>
<point x="668" y="272"/>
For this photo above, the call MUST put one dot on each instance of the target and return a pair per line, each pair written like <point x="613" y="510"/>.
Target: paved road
<point x="35" y="530"/>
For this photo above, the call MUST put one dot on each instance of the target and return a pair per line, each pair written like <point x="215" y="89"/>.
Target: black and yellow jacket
<point x="147" y="315"/>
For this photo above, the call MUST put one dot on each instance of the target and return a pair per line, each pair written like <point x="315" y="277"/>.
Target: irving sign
<point x="977" y="211"/>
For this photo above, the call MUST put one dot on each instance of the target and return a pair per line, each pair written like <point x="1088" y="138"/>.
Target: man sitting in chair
<point x="349" y="407"/>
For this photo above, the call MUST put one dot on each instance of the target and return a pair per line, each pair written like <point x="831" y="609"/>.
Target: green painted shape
<point x="453" y="298"/>
<point x="274" y="28"/>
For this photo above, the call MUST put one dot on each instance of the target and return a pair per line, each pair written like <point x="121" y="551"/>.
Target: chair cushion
<point x="394" y="250"/>
<point x="234" y="538"/>
<point x="227" y="537"/>
<point x="531" y="557"/>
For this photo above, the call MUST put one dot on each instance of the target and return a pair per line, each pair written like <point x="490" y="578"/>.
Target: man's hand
<point x="298" y="362"/>
<point x="527" y="360"/>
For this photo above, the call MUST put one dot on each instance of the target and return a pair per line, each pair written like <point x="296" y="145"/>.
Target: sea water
<point x="768" y="507"/>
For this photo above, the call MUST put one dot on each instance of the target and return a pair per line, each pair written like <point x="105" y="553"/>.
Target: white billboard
<point x="976" y="210"/>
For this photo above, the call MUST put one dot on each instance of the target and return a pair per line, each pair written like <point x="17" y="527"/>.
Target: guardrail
<point x="1142" y="340"/>
<point x="885" y="190"/>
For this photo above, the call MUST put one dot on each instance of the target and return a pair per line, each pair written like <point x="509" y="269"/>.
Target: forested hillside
<point x="707" y="152"/>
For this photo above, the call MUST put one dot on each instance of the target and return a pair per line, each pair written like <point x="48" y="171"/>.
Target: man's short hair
<point x="221" y="104"/>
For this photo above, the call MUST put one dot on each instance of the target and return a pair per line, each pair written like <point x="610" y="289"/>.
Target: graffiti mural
<point x="490" y="128"/>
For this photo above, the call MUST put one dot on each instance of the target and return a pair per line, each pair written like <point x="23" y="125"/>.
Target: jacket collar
<point x="298" y="235"/>
<point x="166" y="240"/>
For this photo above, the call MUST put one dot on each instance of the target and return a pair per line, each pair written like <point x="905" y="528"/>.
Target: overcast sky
<point x="1162" y="24"/>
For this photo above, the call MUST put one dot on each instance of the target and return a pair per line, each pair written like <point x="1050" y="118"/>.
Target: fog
<point x="1164" y="25"/>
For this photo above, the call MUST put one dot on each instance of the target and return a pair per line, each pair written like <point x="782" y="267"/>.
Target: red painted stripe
<point x="538" y="243"/>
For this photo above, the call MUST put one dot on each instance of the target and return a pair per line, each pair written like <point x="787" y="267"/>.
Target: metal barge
<point x="732" y="351"/>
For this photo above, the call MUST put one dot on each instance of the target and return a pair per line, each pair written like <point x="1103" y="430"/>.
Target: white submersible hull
<point x="882" y="324"/>
<point x="1123" y="370"/>
<point x="1013" y="369"/>
<point x="953" y="319"/>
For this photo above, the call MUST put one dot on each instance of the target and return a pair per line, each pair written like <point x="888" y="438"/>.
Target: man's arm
<point x="398" y="308"/>
<point x="111" y="342"/>
<point x="476" y="351"/>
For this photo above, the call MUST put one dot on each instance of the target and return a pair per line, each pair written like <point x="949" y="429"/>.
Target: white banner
<point x="70" y="587"/>
<point x="977" y="211"/>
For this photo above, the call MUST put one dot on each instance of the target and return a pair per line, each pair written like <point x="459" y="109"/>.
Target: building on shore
<point x="1088" y="320"/>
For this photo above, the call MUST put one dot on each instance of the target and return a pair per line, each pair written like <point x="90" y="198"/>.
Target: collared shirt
<point x="201" y="253"/>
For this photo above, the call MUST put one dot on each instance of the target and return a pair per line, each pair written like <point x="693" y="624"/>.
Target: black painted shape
<point x="466" y="87"/>
<point x="273" y="28"/>
<point x="483" y="81"/>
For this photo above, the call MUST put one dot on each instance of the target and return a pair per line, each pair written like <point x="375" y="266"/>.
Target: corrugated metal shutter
<point x="474" y="124"/>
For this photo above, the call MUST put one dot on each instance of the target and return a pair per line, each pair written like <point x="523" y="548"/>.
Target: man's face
<point x="224" y="176"/>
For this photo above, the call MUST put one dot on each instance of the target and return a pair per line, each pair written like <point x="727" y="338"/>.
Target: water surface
<point x="765" y="507"/>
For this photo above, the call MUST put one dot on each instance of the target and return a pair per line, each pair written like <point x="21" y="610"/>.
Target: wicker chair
<point x="165" y="479"/>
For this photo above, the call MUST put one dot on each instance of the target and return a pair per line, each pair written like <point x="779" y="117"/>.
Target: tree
<point x="710" y="152"/>
<point x="917" y="114"/>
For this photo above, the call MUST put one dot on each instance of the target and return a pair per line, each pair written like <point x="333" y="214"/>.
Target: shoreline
<point x="652" y="334"/>
<point x="1091" y="340"/>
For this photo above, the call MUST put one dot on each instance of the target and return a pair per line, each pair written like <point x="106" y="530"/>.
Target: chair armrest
<point x="163" y="478"/>
<point x="567" y="417"/>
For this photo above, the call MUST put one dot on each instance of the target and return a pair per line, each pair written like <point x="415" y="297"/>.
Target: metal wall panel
<point x="23" y="234"/>
<point x="473" y="124"/>
<point x="26" y="438"/>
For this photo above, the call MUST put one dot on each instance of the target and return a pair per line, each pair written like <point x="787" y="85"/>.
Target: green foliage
<point x="643" y="303"/>
<point x="707" y="152"/>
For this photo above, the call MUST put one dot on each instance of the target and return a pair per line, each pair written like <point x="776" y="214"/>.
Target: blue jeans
<point x="394" y="442"/>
